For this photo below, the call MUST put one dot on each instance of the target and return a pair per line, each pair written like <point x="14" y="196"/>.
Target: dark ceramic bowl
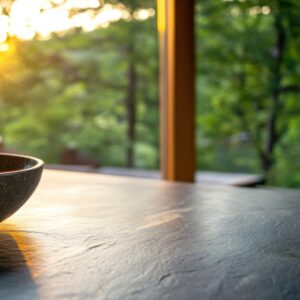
<point x="19" y="176"/>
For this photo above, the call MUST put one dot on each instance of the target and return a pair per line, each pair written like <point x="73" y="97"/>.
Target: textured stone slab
<point x="86" y="236"/>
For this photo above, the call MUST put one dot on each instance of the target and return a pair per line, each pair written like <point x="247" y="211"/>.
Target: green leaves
<point x="244" y="76"/>
<point x="71" y="91"/>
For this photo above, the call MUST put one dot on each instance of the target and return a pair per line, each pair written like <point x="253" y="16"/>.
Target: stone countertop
<point x="87" y="236"/>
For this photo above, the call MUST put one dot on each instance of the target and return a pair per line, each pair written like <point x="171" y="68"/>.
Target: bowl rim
<point x="38" y="164"/>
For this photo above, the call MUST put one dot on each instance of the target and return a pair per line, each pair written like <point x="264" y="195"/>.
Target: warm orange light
<point x="161" y="19"/>
<point x="24" y="248"/>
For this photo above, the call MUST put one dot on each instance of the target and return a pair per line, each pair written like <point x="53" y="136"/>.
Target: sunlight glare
<point x="4" y="22"/>
<point x="25" y="33"/>
<point x="41" y="18"/>
<point x="70" y="4"/>
<point x="57" y="1"/>
<point x="51" y="20"/>
<point x="4" y="47"/>
<point x="83" y="20"/>
<point x="3" y="36"/>
<point x="144" y="14"/>
<point x="21" y="14"/>
<point x="108" y="14"/>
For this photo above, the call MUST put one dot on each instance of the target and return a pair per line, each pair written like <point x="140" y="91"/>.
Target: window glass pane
<point x="248" y="88"/>
<point x="78" y="81"/>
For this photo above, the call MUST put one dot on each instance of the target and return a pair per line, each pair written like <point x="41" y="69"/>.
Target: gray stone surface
<point x="86" y="236"/>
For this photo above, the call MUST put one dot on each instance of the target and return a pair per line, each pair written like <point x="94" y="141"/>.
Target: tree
<point x="90" y="90"/>
<point x="247" y="67"/>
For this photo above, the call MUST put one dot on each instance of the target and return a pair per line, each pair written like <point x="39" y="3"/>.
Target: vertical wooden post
<point x="177" y="95"/>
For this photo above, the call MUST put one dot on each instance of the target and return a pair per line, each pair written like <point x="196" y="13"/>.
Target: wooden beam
<point x="177" y="95"/>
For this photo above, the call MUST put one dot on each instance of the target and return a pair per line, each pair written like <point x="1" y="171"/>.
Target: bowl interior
<point x="12" y="163"/>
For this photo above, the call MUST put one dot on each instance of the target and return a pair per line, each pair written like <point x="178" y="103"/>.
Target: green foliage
<point x="71" y="91"/>
<point x="248" y="87"/>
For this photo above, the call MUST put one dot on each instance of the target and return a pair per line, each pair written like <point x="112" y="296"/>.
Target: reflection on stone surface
<point x="163" y="217"/>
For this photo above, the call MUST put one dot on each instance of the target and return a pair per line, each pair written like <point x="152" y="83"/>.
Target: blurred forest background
<point x="96" y="89"/>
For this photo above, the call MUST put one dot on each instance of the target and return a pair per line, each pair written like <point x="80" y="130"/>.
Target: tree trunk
<point x="131" y="107"/>
<point x="272" y="136"/>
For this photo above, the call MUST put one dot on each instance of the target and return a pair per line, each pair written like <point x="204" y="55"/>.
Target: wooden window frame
<point x="177" y="92"/>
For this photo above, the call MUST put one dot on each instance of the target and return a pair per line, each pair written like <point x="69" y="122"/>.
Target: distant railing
<point x="202" y="177"/>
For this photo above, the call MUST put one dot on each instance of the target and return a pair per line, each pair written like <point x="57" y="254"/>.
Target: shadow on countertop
<point x="16" y="281"/>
